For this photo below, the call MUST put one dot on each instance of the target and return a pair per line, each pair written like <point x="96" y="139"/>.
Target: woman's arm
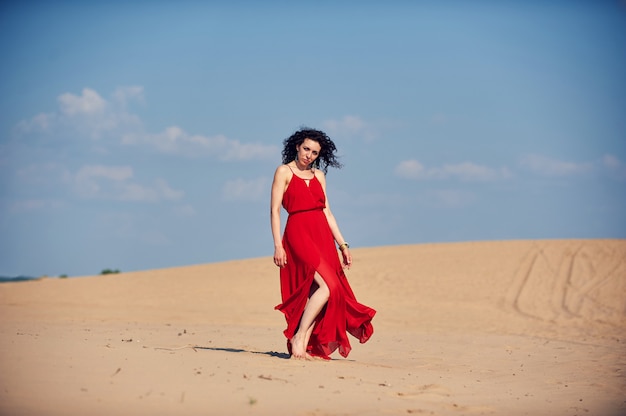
<point x="332" y="223"/>
<point x="278" y="189"/>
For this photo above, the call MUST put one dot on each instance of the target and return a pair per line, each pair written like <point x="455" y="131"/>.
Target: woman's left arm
<point x="332" y="223"/>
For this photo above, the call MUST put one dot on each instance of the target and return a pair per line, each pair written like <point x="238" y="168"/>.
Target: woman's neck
<point x="300" y="166"/>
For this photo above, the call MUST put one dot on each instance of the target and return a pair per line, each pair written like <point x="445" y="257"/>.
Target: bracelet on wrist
<point x="344" y="245"/>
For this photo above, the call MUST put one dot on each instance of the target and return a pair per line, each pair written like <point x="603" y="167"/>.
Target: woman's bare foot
<point x="298" y="348"/>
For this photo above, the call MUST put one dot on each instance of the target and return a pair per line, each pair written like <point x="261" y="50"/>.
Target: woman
<point x="318" y="303"/>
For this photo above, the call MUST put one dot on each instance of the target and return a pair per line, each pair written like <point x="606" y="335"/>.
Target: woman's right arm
<point x="278" y="189"/>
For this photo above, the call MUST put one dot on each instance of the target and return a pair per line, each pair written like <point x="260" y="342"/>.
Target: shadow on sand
<point x="281" y="355"/>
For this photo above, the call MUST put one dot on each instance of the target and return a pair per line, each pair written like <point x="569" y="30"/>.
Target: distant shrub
<point x="109" y="271"/>
<point x="63" y="276"/>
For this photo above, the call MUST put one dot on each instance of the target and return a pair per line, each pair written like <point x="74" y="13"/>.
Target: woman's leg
<point x="313" y="307"/>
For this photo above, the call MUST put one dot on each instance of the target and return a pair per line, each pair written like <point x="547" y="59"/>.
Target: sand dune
<point x="511" y="328"/>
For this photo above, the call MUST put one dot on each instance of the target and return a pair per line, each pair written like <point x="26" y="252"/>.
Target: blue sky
<point x="144" y="135"/>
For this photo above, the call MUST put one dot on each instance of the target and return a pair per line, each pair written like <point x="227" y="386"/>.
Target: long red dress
<point x="310" y="247"/>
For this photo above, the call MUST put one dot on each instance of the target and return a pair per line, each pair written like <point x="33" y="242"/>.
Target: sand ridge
<point x="515" y="327"/>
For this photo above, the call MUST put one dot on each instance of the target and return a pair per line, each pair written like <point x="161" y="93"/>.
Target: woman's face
<point x="308" y="151"/>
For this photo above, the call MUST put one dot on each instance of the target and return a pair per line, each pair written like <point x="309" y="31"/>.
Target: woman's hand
<point x="347" y="257"/>
<point x="280" y="257"/>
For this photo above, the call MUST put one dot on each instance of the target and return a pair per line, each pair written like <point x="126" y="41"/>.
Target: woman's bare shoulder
<point x="282" y="171"/>
<point x="319" y="174"/>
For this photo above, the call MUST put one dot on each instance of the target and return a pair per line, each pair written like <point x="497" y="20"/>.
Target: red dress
<point x="310" y="247"/>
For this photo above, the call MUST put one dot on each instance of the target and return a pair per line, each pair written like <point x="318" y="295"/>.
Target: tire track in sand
<point x="582" y="280"/>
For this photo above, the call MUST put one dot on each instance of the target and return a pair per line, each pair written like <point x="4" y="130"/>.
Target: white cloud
<point x="248" y="151"/>
<point x="615" y="166"/>
<point x="90" y="115"/>
<point x="42" y="122"/>
<point x="90" y="102"/>
<point x="611" y="162"/>
<point x="175" y="140"/>
<point x="160" y="190"/>
<point x="116" y="182"/>
<point x="544" y="165"/>
<point x="349" y="126"/>
<point x="411" y="169"/>
<point x="466" y="171"/>
<point x="123" y="95"/>
<point x="88" y="179"/>
<point x="115" y="173"/>
<point x="243" y="190"/>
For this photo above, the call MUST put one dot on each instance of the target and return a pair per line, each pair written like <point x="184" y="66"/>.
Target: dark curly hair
<point x="327" y="155"/>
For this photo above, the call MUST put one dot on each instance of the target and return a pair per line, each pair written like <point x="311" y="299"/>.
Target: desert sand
<point x="475" y="328"/>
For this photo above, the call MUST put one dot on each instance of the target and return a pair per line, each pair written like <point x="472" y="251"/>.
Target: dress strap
<point x="304" y="179"/>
